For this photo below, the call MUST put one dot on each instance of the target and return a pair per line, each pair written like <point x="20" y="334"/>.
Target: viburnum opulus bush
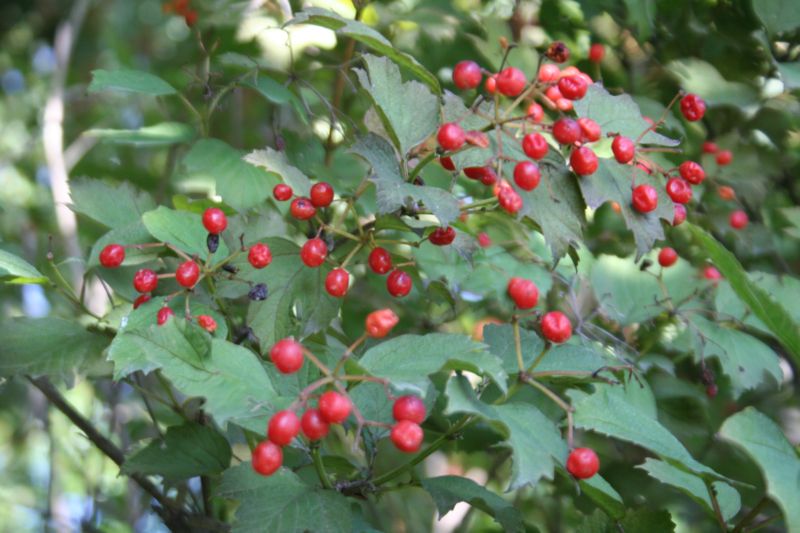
<point x="512" y="267"/>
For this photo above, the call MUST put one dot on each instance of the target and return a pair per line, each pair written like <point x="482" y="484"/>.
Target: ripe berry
<point x="590" y="130"/>
<point x="583" y="161"/>
<point x="738" y="219"/>
<point x="524" y="292"/>
<point x="313" y="252"/>
<point x="692" y="172"/>
<point x="556" y="327"/>
<point x="287" y="356"/>
<point x="566" y="131"/>
<point x="535" y="145"/>
<point x="410" y="408"/>
<point x="554" y="94"/>
<point x="527" y="175"/>
<point x="145" y="280"/>
<point x="302" y="209"/>
<point x="259" y="255"/>
<point x="476" y="138"/>
<point x="282" y="192"/>
<point x="511" y="81"/>
<point x="267" y="458"/>
<point x="667" y="257"/>
<point x="535" y="113"/>
<point x="486" y="175"/>
<point x="509" y="199"/>
<point x="678" y="214"/>
<point x="724" y="157"/>
<point x="712" y="274"/>
<point x="644" y="198"/>
<point x="442" y="236"/>
<point x="572" y="87"/>
<point x="207" y="323"/>
<point x="142" y="298"/>
<point x="484" y="241"/>
<point x="283" y="427"/>
<point x="596" y="53"/>
<point x="379" y="323"/>
<point x="558" y="52"/>
<point x="112" y="256"/>
<point x="163" y="315"/>
<point x="583" y="463"/>
<point x="214" y="220"/>
<point x="710" y="147"/>
<point x="321" y="194"/>
<point x="334" y="407"/>
<point x="337" y="282"/>
<point x="451" y="136"/>
<point x="726" y="193"/>
<point x="693" y="107"/>
<point x="380" y="260"/>
<point x="623" y="149"/>
<point x="447" y="163"/>
<point x="407" y="436"/>
<point x="187" y="274"/>
<point x="564" y="105"/>
<point x="549" y="73"/>
<point x="313" y="425"/>
<point x="491" y="84"/>
<point x="644" y="166"/>
<point x="679" y="190"/>
<point x="398" y="283"/>
<point x="467" y="75"/>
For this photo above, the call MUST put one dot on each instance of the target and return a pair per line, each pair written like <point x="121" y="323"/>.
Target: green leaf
<point x="778" y="16"/>
<point x="768" y="447"/>
<point x="366" y="35"/>
<point x="16" y="270"/>
<point x="162" y="134"/>
<point x="113" y="205"/>
<point x="240" y="185"/>
<point x="283" y="503"/>
<point x="408" y="360"/>
<point x="641" y="15"/>
<point x="790" y="74"/>
<point x="277" y="163"/>
<point x="785" y="290"/>
<point x="644" y="520"/>
<point x="697" y="76"/>
<point x="129" y="81"/>
<point x="133" y="233"/>
<point x="277" y="94"/>
<point x="182" y="229"/>
<point x="447" y="491"/>
<point x="694" y="487"/>
<point x="186" y="451"/>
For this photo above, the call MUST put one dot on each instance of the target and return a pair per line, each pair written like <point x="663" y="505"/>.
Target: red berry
<point x="692" y="172"/>
<point x="283" y="427"/>
<point x="524" y="292"/>
<point x="511" y="81"/>
<point x="163" y="315"/>
<point x="564" y="105"/>
<point x="190" y="18"/>
<point x="321" y="194"/>
<point x="491" y="84"/>
<point x="334" y="407"/>
<point x="112" y="256"/>
<point x="447" y="163"/>
<point x="583" y="463"/>
<point x="302" y="209"/>
<point x="467" y="75"/>
<point x="724" y="157"/>
<point x="259" y="255"/>
<point x="398" y="283"/>
<point x="667" y="257"/>
<point x="142" y="298"/>
<point x="556" y="327"/>
<point x="738" y="219"/>
<point x="313" y="252"/>
<point x="710" y="147"/>
<point x="509" y="199"/>
<point x="187" y="274"/>
<point x="337" y="282"/>
<point x="407" y="436"/>
<point x="214" y="220"/>
<point x="379" y="323"/>
<point x="644" y="198"/>
<point x="451" y="136"/>
<point x="380" y="260"/>
<point x="476" y="138"/>
<point x="527" y="175"/>
<point x="410" y="408"/>
<point x="535" y="145"/>
<point x="712" y="274"/>
<point x="484" y="241"/>
<point x="486" y="175"/>
<point x="590" y="130"/>
<point x="583" y="161"/>
<point x="442" y="236"/>
<point x="726" y="193"/>
<point x="678" y="214"/>
<point x="566" y="131"/>
<point x="596" y="52"/>
<point x="693" y="107"/>
<point x="549" y="73"/>
<point x="554" y="94"/>
<point x="573" y="87"/>
<point x="535" y="113"/>
<point x="145" y="280"/>
<point x="287" y="356"/>
<point x="679" y="190"/>
<point x="207" y="323"/>
<point x="267" y="458"/>
<point x="313" y="425"/>
<point x="623" y="149"/>
<point x="282" y="192"/>
<point x="712" y="390"/>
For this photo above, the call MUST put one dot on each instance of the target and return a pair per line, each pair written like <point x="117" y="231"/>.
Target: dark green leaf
<point x="778" y="16"/>
<point x="447" y="491"/>
<point x="14" y="269"/>
<point x="162" y="134"/>
<point x="129" y="81"/>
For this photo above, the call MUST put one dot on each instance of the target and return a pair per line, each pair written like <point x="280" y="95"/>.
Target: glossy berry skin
<point x="710" y="147"/>
<point x="302" y="208"/>
<point x="313" y="425"/>
<point x="693" y="107"/>
<point x="548" y="73"/>
<point x="207" y="323"/>
<point x="314" y="252"/>
<point x="334" y="407"/>
<point x="187" y="274"/>
<point x="679" y="190"/>
<point x="556" y="327"/>
<point x="596" y="52"/>
<point x="407" y="436"/>
<point x="287" y="356"/>
<point x="509" y="200"/>
<point x="566" y="131"/>
<point x="380" y="260"/>
<point x="485" y="175"/>
<point x="583" y="161"/>
<point x="451" y="136"/>
<point x="491" y="84"/>
<point x="321" y="194"/>
<point x="447" y="163"/>
<point x="410" y="408"/>
<point x="590" y="130"/>
<point x="644" y="198"/>
<point x="112" y="256"/>
<point x="583" y="463"/>
<point x="163" y="315"/>
<point x="667" y="257"/>
<point x="141" y="299"/>
<point x="524" y="292"/>
<point x="145" y="280"/>
<point x="623" y="148"/>
<point x="283" y="427"/>
<point x="678" y="214"/>
<point x="511" y="81"/>
<point x="724" y="157"/>
<point x="282" y="192"/>
<point x="554" y="94"/>
<point x="442" y="236"/>
<point x="535" y="145"/>
<point x="692" y="172"/>
<point x="535" y="113"/>
<point x="259" y="255"/>
<point x="267" y="458"/>
<point x="712" y="274"/>
<point x="467" y="75"/>
<point x="738" y="219"/>
<point x="484" y="241"/>
<point x="573" y="87"/>
<point x="527" y="175"/>
<point x="379" y="323"/>
<point x="337" y="282"/>
<point x="214" y="220"/>
<point x="398" y="283"/>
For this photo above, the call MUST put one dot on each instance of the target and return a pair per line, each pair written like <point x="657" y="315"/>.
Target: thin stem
<point x="715" y="505"/>
<point x="416" y="170"/>
<point x="319" y="364"/>
<point x="539" y="357"/>
<point x="518" y="344"/>
<point x="319" y="466"/>
<point x="749" y="517"/>
<point x="348" y="353"/>
<point x="660" y="121"/>
<point x="352" y="254"/>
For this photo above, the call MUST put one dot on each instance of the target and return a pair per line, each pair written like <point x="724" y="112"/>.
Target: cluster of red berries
<point x="182" y="8"/>
<point x="305" y="207"/>
<point x="555" y="325"/>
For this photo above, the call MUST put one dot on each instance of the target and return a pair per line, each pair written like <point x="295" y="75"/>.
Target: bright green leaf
<point x="778" y="16"/>
<point x="162" y="134"/>
<point x="129" y="81"/>
<point x="699" y="77"/>
<point x="14" y="269"/>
